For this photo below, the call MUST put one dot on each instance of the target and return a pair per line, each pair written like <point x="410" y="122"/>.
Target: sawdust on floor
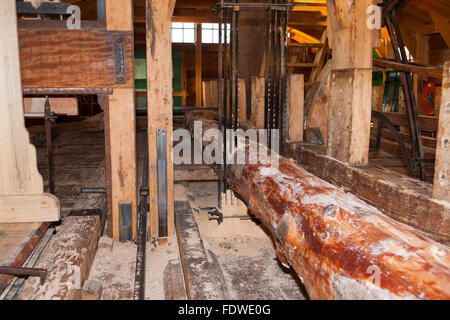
<point x="245" y="252"/>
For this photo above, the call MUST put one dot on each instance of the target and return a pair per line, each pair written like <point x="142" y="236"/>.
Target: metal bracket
<point x="161" y="138"/>
<point x="120" y="63"/>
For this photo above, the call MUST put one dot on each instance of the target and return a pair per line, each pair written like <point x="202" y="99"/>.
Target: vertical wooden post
<point x="198" y="65"/>
<point x="160" y="103"/>
<point x="121" y="129"/>
<point x="257" y="105"/>
<point x="18" y="164"/>
<point x="295" y="107"/>
<point x="351" y="81"/>
<point x="441" y="188"/>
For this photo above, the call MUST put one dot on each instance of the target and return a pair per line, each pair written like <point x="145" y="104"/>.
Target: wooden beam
<point x="295" y="107"/>
<point x="63" y="58"/>
<point x="441" y="188"/>
<point x="426" y="123"/>
<point x="242" y="100"/>
<point x="198" y="65"/>
<point x="351" y="82"/>
<point x="257" y="105"/>
<point x="21" y="185"/>
<point x="121" y="130"/>
<point x="26" y="208"/>
<point x="350" y="40"/>
<point x="359" y="251"/>
<point x="160" y="105"/>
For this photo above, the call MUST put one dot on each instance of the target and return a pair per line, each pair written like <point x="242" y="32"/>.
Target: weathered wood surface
<point x="428" y="71"/>
<point x="398" y="196"/>
<point x="174" y="288"/>
<point x="72" y="58"/>
<point x="441" y="188"/>
<point x="159" y="92"/>
<point x="339" y="245"/>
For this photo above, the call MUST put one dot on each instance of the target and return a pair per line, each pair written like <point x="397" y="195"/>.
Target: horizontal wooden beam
<point x="72" y="58"/>
<point x="427" y="71"/>
<point x="25" y="208"/>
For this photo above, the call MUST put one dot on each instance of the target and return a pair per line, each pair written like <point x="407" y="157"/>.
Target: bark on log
<point x="341" y="247"/>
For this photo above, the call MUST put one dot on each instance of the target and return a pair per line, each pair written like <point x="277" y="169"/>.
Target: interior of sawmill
<point x="122" y="123"/>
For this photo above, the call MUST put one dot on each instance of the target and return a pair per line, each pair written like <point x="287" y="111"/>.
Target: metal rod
<point x="25" y="272"/>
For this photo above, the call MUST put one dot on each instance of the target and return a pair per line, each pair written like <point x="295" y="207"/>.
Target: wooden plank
<point x="29" y="208"/>
<point x="159" y="88"/>
<point x="350" y="115"/>
<point x="121" y="129"/>
<point x="295" y="107"/>
<point x="426" y="123"/>
<point x="72" y="58"/>
<point x="173" y="282"/>
<point x="62" y="106"/>
<point x="95" y="123"/>
<point x="242" y="101"/>
<point x="441" y="188"/>
<point x="198" y="65"/>
<point x="257" y="113"/>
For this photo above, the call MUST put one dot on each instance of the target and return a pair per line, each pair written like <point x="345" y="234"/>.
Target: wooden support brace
<point x="441" y="188"/>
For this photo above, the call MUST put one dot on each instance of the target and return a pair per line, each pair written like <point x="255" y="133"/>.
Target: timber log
<point x="341" y="247"/>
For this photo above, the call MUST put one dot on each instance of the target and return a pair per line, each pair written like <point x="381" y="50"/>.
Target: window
<point x="210" y="33"/>
<point x="183" y="32"/>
